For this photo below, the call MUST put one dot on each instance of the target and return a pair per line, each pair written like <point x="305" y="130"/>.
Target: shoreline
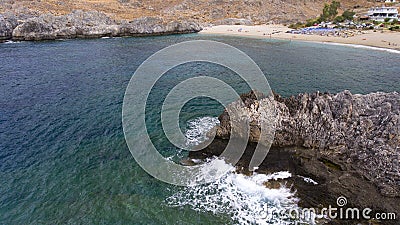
<point x="369" y="39"/>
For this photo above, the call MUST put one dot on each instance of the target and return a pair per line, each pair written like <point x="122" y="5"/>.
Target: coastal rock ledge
<point x="348" y="143"/>
<point x="91" y="24"/>
<point x="363" y="129"/>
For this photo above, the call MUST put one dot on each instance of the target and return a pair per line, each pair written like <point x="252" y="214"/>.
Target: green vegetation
<point x="311" y="22"/>
<point x="339" y="19"/>
<point x="348" y="15"/>
<point x="330" y="11"/>
<point x="296" y="25"/>
<point x="376" y="22"/>
<point x="391" y="24"/>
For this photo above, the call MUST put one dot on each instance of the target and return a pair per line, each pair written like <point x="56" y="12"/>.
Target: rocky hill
<point x="258" y="11"/>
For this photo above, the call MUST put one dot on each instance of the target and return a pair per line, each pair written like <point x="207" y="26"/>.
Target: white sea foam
<point x="198" y="128"/>
<point x="279" y="175"/>
<point x="244" y="198"/>
<point x="309" y="180"/>
<point x="365" y="47"/>
<point x="11" y="42"/>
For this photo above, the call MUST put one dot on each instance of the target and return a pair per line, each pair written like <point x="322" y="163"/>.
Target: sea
<point x="63" y="155"/>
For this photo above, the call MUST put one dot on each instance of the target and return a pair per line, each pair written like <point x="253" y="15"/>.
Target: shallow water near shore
<point x="63" y="157"/>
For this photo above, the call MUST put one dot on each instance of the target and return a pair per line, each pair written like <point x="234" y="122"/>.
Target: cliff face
<point x="199" y="10"/>
<point x="90" y="24"/>
<point x="360" y="130"/>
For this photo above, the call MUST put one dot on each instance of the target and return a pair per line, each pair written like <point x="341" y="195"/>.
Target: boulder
<point x="33" y="29"/>
<point x="7" y="25"/>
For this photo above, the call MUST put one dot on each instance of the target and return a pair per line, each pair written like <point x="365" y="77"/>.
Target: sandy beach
<point x="379" y="39"/>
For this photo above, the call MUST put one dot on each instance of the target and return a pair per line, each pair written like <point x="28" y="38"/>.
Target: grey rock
<point x="182" y="27"/>
<point x="90" y="24"/>
<point x="33" y="30"/>
<point x="362" y="130"/>
<point x="7" y="25"/>
<point x="349" y="144"/>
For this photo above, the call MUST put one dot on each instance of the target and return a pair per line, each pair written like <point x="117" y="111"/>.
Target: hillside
<point x="259" y="11"/>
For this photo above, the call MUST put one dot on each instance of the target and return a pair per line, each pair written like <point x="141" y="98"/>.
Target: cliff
<point x="91" y="24"/>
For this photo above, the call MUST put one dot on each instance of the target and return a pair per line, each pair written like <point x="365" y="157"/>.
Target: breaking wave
<point x="197" y="129"/>
<point x="246" y="199"/>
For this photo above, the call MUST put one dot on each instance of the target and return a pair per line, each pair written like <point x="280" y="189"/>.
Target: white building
<point x="381" y="13"/>
<point x="387" y="1"/>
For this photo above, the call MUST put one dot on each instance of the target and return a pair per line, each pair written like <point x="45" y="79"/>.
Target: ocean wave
<point x="12" y="42"/>
<point x="197" y="129"/>
<point x="364" y="47"/>
<point x="244" y="198"/>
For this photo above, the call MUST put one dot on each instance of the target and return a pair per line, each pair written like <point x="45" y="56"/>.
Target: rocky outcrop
<point x="90" y="24"/>
<point x="7" y="25"/>
<point x="348" y="143"/>
<point x="363" y="129"/>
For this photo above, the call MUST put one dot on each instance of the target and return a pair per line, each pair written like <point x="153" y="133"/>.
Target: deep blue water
<point x="63" y="157"/>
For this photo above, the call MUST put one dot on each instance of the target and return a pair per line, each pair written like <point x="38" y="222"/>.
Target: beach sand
<point x="385" y="39"/>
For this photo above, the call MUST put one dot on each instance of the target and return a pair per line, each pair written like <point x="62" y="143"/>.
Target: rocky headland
<point x="349" y="144"/>
<point x="90" y="24"/>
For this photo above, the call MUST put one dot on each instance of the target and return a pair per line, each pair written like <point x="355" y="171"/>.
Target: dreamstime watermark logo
<point x="341" y="201"/>
<point x="151" y="70"/>
<point x="339" y="212"/>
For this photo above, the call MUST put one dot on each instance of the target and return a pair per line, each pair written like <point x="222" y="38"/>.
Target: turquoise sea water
<point x="63" y="157"/>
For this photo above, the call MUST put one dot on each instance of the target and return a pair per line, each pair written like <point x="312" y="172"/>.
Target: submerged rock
<point x="91" y="24"/>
